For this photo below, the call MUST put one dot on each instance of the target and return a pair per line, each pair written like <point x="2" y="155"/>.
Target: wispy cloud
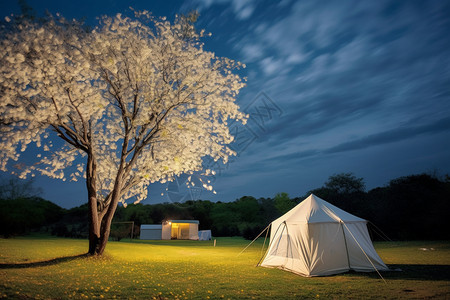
<point x="392" y="136"/>
<point x="242" y="9"/>
<point x="396" y="135"/>
<point x="350" y="76"/>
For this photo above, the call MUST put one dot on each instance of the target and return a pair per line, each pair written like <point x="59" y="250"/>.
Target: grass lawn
<point x="52" y="268"/>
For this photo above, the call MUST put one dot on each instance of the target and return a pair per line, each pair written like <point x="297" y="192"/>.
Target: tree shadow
<point x="413" y="272"/>
<point x="44" y="263"/>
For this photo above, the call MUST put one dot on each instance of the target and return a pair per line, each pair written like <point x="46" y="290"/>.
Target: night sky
<point x="333" y="87"/>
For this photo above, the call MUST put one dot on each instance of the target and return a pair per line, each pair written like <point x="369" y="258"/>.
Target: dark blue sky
<point x="333" y="86"/>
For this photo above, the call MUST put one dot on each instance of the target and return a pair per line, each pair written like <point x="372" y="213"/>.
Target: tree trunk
<point x="100" y="221"/>
<point x="106" y="225"/>
<point x="94" y="226"/>
<point x="94" y="222"/>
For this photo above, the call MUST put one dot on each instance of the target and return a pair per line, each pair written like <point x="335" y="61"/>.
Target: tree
<point x="344" y="190"/>
<point x="345" y="183"/>
<point x="133" y="101"/>
<point x="14" y="188"/>
<point x="21" y="215"/>
<point x="283" y="203"/>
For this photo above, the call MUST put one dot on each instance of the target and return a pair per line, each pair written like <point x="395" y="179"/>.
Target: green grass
<point x="51" y="268"/>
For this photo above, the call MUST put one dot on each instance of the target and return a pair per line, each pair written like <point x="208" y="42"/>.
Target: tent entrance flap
<point x="345" y="241"/>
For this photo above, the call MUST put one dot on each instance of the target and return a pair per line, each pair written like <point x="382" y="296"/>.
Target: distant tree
<point x="21" y="215"/>
<point x="269" y="211"/>
<point x="412" y="207"/>
<point x="14" y="188"/>
<point x="344" y="190"/>
<point x="345" y="183"/>
<point x="131" y="102"/>
<point x="283" y="203"/>
<point x="322" y="192"/>
<point x="201" y="210"/>
<point x="137" y="213"/>
<point x="225" y="220"/>
<point x="248" y="209"/>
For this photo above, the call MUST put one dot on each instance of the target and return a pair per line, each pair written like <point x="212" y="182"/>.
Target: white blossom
<point x="145" y="103"/>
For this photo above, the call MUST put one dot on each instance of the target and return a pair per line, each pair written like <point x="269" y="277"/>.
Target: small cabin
<point x="171" y="230"/>
<point x="150" y="232"/>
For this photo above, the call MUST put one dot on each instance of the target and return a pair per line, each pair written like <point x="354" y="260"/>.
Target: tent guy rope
<point x="254" y="240"/>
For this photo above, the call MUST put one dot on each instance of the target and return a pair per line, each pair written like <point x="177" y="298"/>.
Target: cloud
<point x="242" y="9"/>
<point x="391" y="136"/>
<point x="372" y="74"/>
<point x="297" y="157"/>
<point x="252" y="52"/>
<point x="372" y="79"/>
<point x="270" y="66"/>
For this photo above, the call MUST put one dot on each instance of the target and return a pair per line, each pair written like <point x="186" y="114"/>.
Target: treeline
<point x="411" y="207"/>
<point x="408" y="208"/>
<point x="22" y="215"/>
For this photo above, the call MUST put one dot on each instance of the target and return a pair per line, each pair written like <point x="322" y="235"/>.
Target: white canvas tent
<point x="204" y="235"/>
<point x="316" y="238"/>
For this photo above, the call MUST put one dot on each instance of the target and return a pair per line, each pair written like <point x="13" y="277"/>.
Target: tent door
<point x="174" y="231"/>
<point x="346" y="247"/>
<point x="180" y="231"/>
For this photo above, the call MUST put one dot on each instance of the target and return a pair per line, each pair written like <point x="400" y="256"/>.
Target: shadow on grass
<point x="43" y="263"/>
<point x="413" y="272"/>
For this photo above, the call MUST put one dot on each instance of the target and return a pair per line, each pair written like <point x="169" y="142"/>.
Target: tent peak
<point x="313" y="209"/>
